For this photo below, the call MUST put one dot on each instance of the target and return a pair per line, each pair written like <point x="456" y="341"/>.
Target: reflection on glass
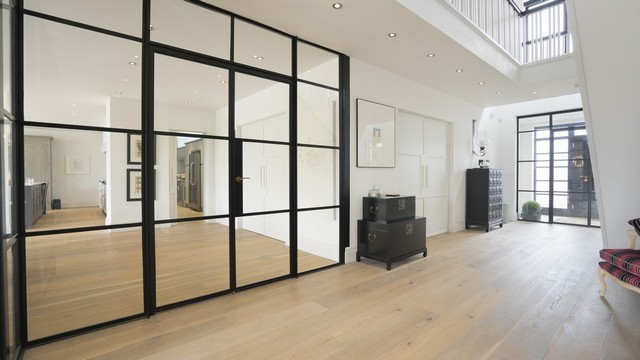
<point x="181" y="24"/>
<point x="9" y="205"/>
<point x="262" y="109"/>
<point x="576" y="117"/>
<point x="317" y="116"/>
<point x="192" y="259"/>
<point x="533" y="123"/>
<point x="78" y="76"/>
<point x="7" y="58"/>
<point x="191" y="177"/>
<point x="118" y="15"/>
<point x="81" y="279"/>
<point x="317" y="65"/>
<point x="258" y="47"/>
<point x="265" y="168"/>
<point x="262" y="248"/>
<point x="190" y="97"/>
<point x="318" y="239"/>
<point x="318" y="180"/>
<point x="78" y="178"/>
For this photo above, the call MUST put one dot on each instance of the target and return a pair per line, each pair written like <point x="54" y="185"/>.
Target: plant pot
<point x="531" y="215"/>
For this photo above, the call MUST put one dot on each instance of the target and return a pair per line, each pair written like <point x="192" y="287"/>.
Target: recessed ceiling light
<point x="431" y="55"/>
<point x="392" y="35"/>
<point x="136" y="56"/>
<point x="481" y="83"/>
<point x="535" y="92"/>
<point x="223" y="81"/>
<point x="498" y="92"/>
<point x="459" y="71"/>
<point x="337" y="5"/>
<point x="258" y="57"/>
<point x="133" y="63"/>
<point x="190" y="102"/>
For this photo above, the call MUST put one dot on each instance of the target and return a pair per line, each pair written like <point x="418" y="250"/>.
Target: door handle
<point x="240" y="178"/>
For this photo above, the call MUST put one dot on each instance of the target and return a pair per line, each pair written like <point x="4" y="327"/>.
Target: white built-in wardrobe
<point x="423" y="160"/>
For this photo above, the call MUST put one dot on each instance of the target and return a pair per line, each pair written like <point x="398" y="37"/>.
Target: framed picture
<point x="376" y="134"/>
<point x="134" y="149"/>
<point x="134" y="185"/>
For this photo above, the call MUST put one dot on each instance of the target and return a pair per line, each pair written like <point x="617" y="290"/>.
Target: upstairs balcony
<point x="536" y="33"/>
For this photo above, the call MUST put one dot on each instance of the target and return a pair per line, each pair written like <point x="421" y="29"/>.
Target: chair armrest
<point x="631" y="235"/>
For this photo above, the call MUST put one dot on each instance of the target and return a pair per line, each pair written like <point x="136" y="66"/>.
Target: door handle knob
<point x="240" y="178"/>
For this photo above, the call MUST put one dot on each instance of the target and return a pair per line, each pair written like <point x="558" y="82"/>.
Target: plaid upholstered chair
<point x="622" y="265"/>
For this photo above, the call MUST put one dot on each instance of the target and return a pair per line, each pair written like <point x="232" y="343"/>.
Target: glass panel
<point x="123" y="16"/>
<point x="571" y="208"/>
<point x="81" y="279"/>
<point x="78" y="178"/>
<point x="265" y="168"/>
<point x="543" y="134"/>
<point x="185" y="25"/>
<point x="317" y="116"/>
<point x="7" y="56"/>
<point x="561" y="146"/>
<point x="258" y="47"/>
<point x="543" y="199"/>
<point x="560" y="174"/>
<point x="568" y="118"/>
<point x="595" y="215"/>
<point x="262" y="248"/>
<point x="560" y="134"/>
<point x="192" y="259"/>
<point x="8" y="180"/>
<point x="317" y="65"/>
<point x="318" y="239"/>
<point x="98" y="86"/>
<point x="262" y="109"/>
<point x="542" y="186"/>
<point x="526" y="146"/>
<point x="533" y="123"/>
<point x="582" y="132"/>
<point x="190" y="97"/>
<point x="542" y="147"/>
<point x="560" y="186"/>
<point x="191" y="177"/>
<point x="542" y="173"/>
<point x="317" y="177"/>
<point x="526" y="176"/>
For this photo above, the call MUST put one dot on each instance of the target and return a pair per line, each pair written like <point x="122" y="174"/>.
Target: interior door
<point x="423" y="162"/>
<point x="261" y="176"/>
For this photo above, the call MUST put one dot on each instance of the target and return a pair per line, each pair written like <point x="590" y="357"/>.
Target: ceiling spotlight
<point x="459" y="71"/>
<point x="481" y="83"/>
<point x="392" y="35"/>
<point x="498" y="92"/>
<point x="223" y="81"/>
<point x="258" y="57"/>
<point x="535" y="92"/>
<point x="337" y="6"/>
<point x="133" y="63"/>
<point x="431" y="55"/>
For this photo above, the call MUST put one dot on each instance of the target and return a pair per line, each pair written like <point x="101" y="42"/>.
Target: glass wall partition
<point x="555" y="182"/>
<point x="10" y="257"/>
<point x="169" y="164"/>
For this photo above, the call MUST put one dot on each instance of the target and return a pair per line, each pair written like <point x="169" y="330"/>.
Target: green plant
<point x="531" y="206"/>
<point x="531" y="211"/>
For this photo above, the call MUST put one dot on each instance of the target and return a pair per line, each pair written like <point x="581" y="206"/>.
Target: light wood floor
<point x="80" y="279"/>
<point x="526" y="291"/>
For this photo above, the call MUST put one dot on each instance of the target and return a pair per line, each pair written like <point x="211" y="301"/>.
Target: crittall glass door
<point x="555" y="181"/>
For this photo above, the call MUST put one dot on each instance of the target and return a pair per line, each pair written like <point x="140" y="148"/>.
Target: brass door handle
<point x="240" y="178"/>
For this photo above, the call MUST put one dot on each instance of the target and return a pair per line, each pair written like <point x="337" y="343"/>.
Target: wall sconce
<point x="479" y="140"/>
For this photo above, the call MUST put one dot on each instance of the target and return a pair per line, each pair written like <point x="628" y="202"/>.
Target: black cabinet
<point x="484" y="198"/>
<point x="389" y="230"/>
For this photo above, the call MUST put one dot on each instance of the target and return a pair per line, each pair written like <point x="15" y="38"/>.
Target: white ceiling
<point x="359" y="29"/>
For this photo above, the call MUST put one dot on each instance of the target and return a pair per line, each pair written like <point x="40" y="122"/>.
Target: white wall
<point x="607" y="56"/>
<point x="374" y="84"/>
<point x="501" y="125"/>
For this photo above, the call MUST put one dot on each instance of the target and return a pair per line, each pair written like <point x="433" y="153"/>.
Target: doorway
<point x="554" y="170"/>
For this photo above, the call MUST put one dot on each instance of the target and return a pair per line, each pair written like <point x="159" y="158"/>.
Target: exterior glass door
<point x="555" y="181"/>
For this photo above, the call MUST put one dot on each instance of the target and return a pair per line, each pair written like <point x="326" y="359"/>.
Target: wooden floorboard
<point x="526" y="291"/>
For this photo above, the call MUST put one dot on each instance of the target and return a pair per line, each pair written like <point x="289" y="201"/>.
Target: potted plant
<point x="531" y="211"/>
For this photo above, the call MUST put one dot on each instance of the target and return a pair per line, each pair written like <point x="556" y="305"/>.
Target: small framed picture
<point x="134" y="185"/>
<point x="134" y="149"/>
